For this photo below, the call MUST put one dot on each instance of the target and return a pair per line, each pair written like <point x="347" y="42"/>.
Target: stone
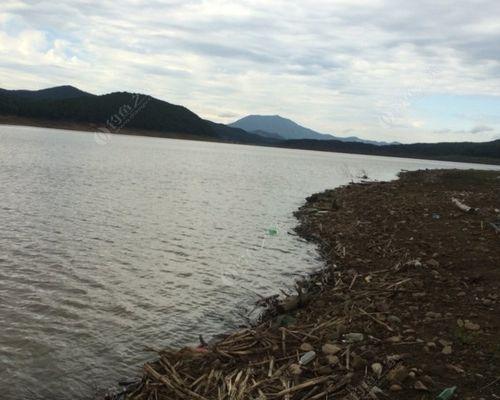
<point x="471" y="326"/>
<point x="395" y="388"/>
<point x="444" y="342"/>
<point x="332" y="360"/>
<point x="455" y="368"/>
<point x="394" y="319"/>
<point x="447" y="350"/>
<point x="354" y="337"/>
<point x="432" y="314"/>
<point x="394" y="339"/>
<point x="433" y="263"/>
<point x="428" y="380"/>
<point x="295" y="369"/>
<point x="331" y="349"/>
<point x="420" y="386"/>
<point x="377" y="369"/>
<point x="397" y="374"/>
<point x="357" y="362"/>
<point x="305" y="347"/>
<point x="325" y="370"/>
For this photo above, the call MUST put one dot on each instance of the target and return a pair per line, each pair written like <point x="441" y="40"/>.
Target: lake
<point x="109" y="246"/>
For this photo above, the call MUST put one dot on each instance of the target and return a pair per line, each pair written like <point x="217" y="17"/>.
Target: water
<point x="105" y="249"/>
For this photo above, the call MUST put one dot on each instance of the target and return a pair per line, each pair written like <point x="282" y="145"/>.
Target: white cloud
<point x="331" y="65"/>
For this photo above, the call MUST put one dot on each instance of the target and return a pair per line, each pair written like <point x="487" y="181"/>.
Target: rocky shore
<point x="407" y="306"/>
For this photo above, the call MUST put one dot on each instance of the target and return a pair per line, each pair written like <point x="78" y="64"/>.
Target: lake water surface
<point x="108" y="248"/>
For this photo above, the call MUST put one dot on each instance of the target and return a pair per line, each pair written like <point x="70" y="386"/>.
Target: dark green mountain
<point x="485" y="152"/>
<point x="114" y="111"/>
<point x="55" y="93"/>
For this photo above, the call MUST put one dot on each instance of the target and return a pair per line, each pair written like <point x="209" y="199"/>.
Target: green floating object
<point x="447" y="393"/>
<point x="272" y="231"/>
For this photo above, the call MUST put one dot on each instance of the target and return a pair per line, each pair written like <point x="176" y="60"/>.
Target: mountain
<point x="144" y="115"/>
<point x="115" y="111"/>
<point x="270" y="135"/>
<point x="274" y="124"/>
<point x="55" y="93"/>
<point x="288" y="129"/>
<point x="485" y="152"/>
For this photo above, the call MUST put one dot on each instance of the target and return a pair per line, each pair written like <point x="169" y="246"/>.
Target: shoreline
<point x="406" y="306"/>
<point x="91" y="127"/>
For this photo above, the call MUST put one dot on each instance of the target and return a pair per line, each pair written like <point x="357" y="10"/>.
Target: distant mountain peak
<point x="279" y="125"/>
<point x="288" y="129"/>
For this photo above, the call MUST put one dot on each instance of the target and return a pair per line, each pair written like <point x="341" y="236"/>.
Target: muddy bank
<point x="407" y="306"/>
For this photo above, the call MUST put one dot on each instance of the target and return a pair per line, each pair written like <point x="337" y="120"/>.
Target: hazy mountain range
<point x="138" y="114"/>
<point x="275" y="126"/>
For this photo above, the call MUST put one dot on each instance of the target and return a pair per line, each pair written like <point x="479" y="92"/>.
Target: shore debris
<point x="462" y="206"/>
<point x="405" y="304"/>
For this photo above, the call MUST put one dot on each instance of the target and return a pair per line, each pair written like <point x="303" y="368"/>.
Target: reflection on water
<point x="142" y="241"/>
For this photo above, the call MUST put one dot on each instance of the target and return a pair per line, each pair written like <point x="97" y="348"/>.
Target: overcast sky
<point x="380" y="69"/>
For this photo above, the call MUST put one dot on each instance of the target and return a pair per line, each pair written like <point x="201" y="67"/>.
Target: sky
<point x="393" y="70"/>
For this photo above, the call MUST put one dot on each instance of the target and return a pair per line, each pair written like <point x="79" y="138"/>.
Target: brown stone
<point x="331" y="349"/>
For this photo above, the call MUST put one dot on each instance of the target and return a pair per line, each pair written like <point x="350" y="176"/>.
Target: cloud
<point x="481" y="129"/>
<point x="334" y="65"/>
<point x="475" y="130"/>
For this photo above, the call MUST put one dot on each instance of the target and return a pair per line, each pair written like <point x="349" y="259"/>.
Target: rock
<point x="397" y="374"/>
<point x="414" y="263"/>
<point x="420" y="386"/>
<point x="412" y="374"/>
<point x="447" y="350"/>
<point x="325" y="370"/>
<point x="305" y="347"/>
<point x="295" y="369"/>
<point x="392" y="358"/>
<point x="377" y="369"/>
<point x="394" y="319"/>
<point x="471" y="326"/>
<point x="427" y="380"/>
<point x="456" y="368"/>
<point x="353" y="337"/>
<point x="431" y="345"/>
<point x="432" y="263"/>
<point x="374" y="391"/>
<point x="332" y="360"/>
<point x="395" y="388"/>
<point x="444" y="342"/>
<point x="394" y="339"/>
<point x="357" y="362"/>
<point x="331" y="348"/>
<point x="432" y="314"/>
